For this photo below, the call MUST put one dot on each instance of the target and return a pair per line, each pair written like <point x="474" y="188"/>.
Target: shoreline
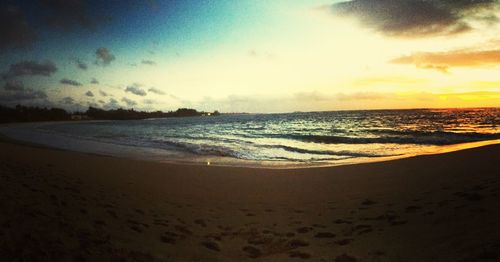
<point x="170" y="157"/>
<point x="67" y="205"/>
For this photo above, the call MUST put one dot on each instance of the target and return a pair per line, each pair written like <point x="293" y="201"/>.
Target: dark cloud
<point x="67" y="100"/>
<point x="31" y="68"/>
<point x="148" y="62"/>
<point x="21" y="96"/>
<point x="442" y="61"/>
<point x="104" y="56"/>
<point x="129" y="102"/>
<point x="89" y="94"/>
<point x="81" y="65"/>
<point x="155" y="90"/>
<point x="70" y="82"/>
<point x="16" y="92"/>
<point x="136" y="90"/>
<point x="13" y="85"/>
<point x="94" y="81"/>
<point x="416" y="18"/>
<point x="14" y="29"/>
<point x="102" y="93"/>
<point x="70" y="14"/>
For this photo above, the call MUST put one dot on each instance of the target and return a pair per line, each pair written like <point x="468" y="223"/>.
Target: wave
<point x="321" y="152"/>
<point x="394" y="137"/>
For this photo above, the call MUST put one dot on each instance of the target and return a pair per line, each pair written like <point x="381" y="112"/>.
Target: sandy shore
<point x="57" y="205"/>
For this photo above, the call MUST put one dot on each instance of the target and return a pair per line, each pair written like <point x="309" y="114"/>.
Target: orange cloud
<point x="442" y="61"/>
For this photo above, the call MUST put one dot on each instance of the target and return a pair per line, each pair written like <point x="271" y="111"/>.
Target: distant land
<point x="33" y="114"/>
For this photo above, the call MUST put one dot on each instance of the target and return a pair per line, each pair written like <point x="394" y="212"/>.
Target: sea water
<point x="315" y="138"/>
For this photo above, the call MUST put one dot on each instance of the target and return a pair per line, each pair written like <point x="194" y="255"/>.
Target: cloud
<point x="149" y="101"/>
<point x="416" y="18"/>
<point x="148" y="62"/>
<point x="67" y="100"/>
<point x="81" y="65"/>
<point x="136" y="90"/>
<point x="70" y="14"/>
<point x="129" y="102"/>
<point x="15" y="92"/>
<point x="70" y="82"/>
<point x="94" y="81"/>
<point x="31" y="68"/>
<point x="13" y="85"/>
<point x="102" y="93"/>
<point x="14" y="28"/>
<point x="89" y="94"/>
<point x="157" y="91"/>
<point x="361" y="96"/>
<point x="104" y="56"/>
<point x="442" y="61"/>
<point x="111" y="104"/>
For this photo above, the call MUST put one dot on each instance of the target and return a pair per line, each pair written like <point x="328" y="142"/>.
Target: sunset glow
<point x="253" y="56"/>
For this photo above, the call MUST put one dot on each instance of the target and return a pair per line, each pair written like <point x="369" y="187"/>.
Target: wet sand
<point x="66" y="206"/>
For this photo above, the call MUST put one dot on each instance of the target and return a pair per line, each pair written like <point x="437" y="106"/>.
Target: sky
<point x="250" y="55"/>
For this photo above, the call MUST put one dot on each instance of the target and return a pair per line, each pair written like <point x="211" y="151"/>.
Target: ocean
<point x="273" y="140"/>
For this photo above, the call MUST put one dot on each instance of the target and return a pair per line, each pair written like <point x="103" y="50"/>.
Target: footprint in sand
<point x="99" y="223"/>
<point x="161" y="222"/>
<point x="368" y="202"/>
<point x="344" y="242"/>
<point x="252" y="252"/>
<point x="136" y="226"/>
<point x="470" y="196"/>
<point x="259" y="240"/>
<point x="345" y="258"/>
<point x="303" y="230"/>
<point x="378" y="253"/>
<point x="183" y="229"/>
<point x="398" y="222"/>
<point x="362" y="229"/>
<point x="211" y="245"/>
<point x="296" y="243"/>
<point x="169" y="237"/>
<point x="324" y="235"/>
<point x="112" y="214"/>
<point x="411" y="209"/>
<point x="342" y="221"/>
<point x="200" y="222"/>
<point x="299" y="254"/>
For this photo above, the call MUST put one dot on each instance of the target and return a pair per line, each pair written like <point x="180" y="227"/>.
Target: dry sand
<point x="64" y="206"/>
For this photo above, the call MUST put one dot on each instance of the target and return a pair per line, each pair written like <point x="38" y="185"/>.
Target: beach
<point x="59" y="205"/>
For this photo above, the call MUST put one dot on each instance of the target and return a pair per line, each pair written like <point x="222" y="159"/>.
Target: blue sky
<point x="258" y="56"/>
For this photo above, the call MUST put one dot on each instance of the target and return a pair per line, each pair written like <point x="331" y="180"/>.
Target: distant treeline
<point x="33" y="114"/>
<point x="130" y="114"/>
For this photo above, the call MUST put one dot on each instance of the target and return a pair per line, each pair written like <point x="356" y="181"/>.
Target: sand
<point x="65" y="206"/>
